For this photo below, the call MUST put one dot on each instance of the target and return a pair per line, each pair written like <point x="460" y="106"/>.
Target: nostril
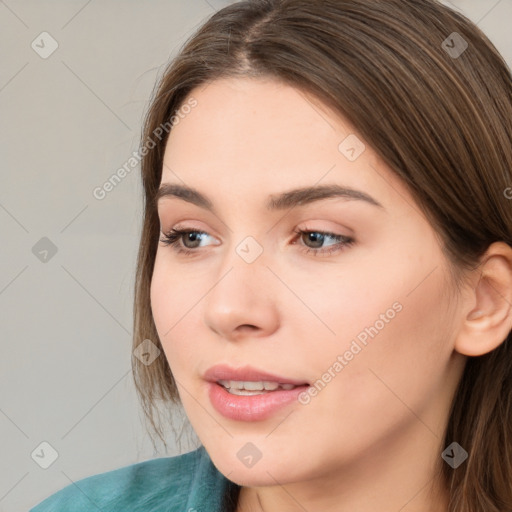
<point x="247" y="327"/>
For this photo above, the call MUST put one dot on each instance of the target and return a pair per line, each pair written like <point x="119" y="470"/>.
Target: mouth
<point x="250" y="388"/>
<point x="249" y="394"/>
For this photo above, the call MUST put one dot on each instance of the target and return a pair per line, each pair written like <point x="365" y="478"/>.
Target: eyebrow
<point x="289" y="199"/>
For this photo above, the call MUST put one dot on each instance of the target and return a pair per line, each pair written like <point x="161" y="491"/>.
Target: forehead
<point x="252" y="111"/>
<point x="247" y="135"/>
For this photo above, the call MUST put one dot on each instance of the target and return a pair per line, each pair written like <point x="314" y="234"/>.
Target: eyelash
<point x="173" y="237"/>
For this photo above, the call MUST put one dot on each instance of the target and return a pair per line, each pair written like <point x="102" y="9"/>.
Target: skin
<point x="372" y="438"/>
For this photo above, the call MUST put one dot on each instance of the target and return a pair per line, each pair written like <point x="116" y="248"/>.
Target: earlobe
<point x="489" y="319"/>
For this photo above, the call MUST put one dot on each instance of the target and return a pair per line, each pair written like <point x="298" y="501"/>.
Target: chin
<point x="257" y="477"/>
<point x="267" y="471"/>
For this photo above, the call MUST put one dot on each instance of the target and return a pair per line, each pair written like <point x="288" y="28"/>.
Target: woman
<point x="324" y="278"/>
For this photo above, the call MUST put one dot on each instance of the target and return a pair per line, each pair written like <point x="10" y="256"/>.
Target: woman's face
<point x="357" y="310"/>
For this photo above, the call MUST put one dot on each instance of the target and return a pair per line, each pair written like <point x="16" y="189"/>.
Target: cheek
<point x="166" y="300"/>
<point x="175" y="307"/>
<point x="393" y="333"/>
<point x="387" y="383"/>
<point x="389" y="312"/>
<point x="162" y="304"/>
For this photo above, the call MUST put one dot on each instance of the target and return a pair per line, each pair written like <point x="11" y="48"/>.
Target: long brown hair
<point x="433" y="97"/>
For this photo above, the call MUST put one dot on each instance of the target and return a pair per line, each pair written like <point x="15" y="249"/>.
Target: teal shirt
<point x="184" y="483"/>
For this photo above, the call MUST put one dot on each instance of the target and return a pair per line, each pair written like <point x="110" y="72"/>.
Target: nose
<point x="243" y="300"/>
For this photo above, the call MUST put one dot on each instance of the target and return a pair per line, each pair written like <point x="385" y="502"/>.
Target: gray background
<point x="67" y="123"/>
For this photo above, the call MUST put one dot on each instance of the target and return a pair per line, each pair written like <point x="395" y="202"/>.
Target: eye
<point x="187" y="241"/>
<point x="188" y="236"/>
<point x="317" y="239"/>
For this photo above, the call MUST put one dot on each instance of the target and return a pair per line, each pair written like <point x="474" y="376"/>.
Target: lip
<point x="249" y="407"/>
<point x="246" y="373"/>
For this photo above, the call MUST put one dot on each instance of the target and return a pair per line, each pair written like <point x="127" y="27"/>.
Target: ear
<point x="487" y="319"/>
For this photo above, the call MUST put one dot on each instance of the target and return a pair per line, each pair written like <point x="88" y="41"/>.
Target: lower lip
<point x="251" y="407"/>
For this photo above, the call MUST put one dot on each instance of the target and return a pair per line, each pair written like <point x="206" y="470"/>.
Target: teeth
<point x="245" y="392"/>
<point x="238" y="385"/>
<point x="249" y="386"/>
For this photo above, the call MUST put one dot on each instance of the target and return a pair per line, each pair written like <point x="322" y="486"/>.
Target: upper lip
<point x="246" y="374"/>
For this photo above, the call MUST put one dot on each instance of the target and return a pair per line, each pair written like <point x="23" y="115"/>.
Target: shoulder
<point x="167" y="484"/>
